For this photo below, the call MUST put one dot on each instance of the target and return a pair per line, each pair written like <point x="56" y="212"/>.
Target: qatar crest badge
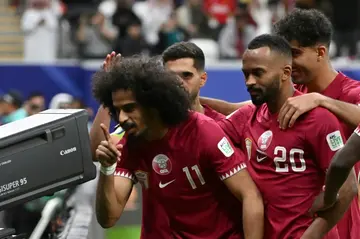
<point x="265" y="139"/>
<point x="161" y="164"/>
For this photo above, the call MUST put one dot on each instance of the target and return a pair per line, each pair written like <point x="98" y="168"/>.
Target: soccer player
<point x="181" y="157"/>
<point x="309" y="33"/>
<point x="187" y="60"/>
<point x="288" y="166"/>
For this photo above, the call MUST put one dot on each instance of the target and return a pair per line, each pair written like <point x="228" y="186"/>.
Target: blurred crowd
<point x="89" y="29"/>
<point x="14" y="106"/>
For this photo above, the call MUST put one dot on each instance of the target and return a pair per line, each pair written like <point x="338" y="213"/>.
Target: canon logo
<point x="67" y="151"/>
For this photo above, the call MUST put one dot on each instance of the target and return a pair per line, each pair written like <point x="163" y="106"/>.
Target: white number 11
<point x="190" y="179"/>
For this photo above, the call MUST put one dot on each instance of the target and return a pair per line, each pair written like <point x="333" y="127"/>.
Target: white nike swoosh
<point x="165" y="184"/>
<point x="260" y="159"/>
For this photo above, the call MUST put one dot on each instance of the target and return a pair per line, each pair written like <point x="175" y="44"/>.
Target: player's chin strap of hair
<point x="108" y="170"/>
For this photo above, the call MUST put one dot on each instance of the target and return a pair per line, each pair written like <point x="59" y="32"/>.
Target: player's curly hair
<point x="307" y="27"/>
<point x="153" y="88"/>
<point x="185" y="50"/>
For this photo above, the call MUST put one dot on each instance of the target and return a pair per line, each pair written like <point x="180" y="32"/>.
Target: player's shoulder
<point x="319" y="115"/>
<point x="197" y="126"/>
<point x="243" y="112"/>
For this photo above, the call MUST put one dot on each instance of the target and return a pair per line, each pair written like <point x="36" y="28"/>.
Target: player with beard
<point x="182" y="158"/>
<point x="287" y="166"/>
<point x="309" y="33"/>
<point x="187" y="60"/>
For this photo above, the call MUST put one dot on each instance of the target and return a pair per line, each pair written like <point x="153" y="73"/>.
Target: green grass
<point x="124" y="232"/>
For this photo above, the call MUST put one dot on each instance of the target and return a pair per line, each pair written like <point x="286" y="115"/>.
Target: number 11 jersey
<point x="288" y="166"/>
<point x="184" y="173"/>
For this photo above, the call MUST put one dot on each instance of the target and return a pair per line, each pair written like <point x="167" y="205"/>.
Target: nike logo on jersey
<point x="259" y="159"/>
<point x="165" y="184"/>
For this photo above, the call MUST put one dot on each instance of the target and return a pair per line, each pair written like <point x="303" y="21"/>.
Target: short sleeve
<point x="124" y="167"/>
<point x="325" y="137"/>
<point x="219" y="152"/>
<point x="234" y="124"/>
<point x="355" y="95"/>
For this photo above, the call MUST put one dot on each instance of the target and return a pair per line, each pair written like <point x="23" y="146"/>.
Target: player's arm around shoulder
<point x="222" y="106"/>
<point x="230" y="165"/>
<point x="115" y="181"/>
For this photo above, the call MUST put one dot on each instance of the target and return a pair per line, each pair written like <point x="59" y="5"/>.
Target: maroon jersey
<point x="184" y="173"/>
<point x="152" y="209"/>
<point x="288" y="166"/>
<point x="209" y="112"/>
<point x="348" y="90"/>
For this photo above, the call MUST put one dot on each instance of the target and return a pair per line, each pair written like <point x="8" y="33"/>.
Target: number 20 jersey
<point x="288" y="166"/>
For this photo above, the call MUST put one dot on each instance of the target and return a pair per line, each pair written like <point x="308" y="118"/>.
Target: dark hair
<point x="35" y="94"/>
<point x="185" y="50"/>
<point x="307" y="27"/>
<point x="274" y="42"/>
<point x="80" y="102"/>
<point x="153" y="88"/>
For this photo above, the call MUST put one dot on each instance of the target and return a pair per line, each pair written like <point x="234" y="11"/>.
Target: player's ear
<point x="321" y="52"/>
<point x="286" y="72"/>
<point x="203" y="78"/>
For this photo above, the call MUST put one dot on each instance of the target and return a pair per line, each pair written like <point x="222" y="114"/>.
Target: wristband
<point x="108" y="170"/>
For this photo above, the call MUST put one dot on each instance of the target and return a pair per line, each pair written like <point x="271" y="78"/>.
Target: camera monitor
<point x="43" y="154"/>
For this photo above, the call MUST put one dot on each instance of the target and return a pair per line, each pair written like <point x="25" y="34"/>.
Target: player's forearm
<point x="96" y="134"/>
<point x="338" y="172"/>
<point x="108" y="210"/>
<point x="253" y="217"/>
<point x="222" y="106"/>
<point x="349" y="113"/>
<point x="329" y="218"/>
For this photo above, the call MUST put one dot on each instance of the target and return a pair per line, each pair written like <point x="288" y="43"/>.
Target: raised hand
<point x="110" y="61"/>
<point x="107" y="152"/>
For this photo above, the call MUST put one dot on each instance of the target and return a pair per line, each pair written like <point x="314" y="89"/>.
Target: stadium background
<point x="73" y="76"/>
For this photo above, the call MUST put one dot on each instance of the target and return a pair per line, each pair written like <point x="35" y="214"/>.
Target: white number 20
<point x="280" y="160"/>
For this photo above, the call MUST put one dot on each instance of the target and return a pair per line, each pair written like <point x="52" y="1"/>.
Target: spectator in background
<point x="134" y="42"/>
<point x="12" y="107"/>
<point x="218" y="12"/>
<point x="170" y="34"/>
<point x="345" y="21"/>
<point x="91" y="39"/>
<point x="61" y="101"/>
<point x="77" y="103"/>
<point x="192" y="18"/>
<point x="153" y="14"/>
<point x="236" y="35"/>
<point x="39" y="24"/>
<point x="35" y="103"/>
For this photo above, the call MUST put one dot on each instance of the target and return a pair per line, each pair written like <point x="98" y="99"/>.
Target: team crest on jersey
<point x="143" y="178"/>
<point x="264" y="140"/>
<point x="248" y="144"/>
<point x="162" y="164"/>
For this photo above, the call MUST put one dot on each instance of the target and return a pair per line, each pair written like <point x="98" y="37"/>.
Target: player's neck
<point x="156" y="131"/>
<point x="322" y="79"/>
<point x="196" y="106"/>
<point x="277" y="102"/>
